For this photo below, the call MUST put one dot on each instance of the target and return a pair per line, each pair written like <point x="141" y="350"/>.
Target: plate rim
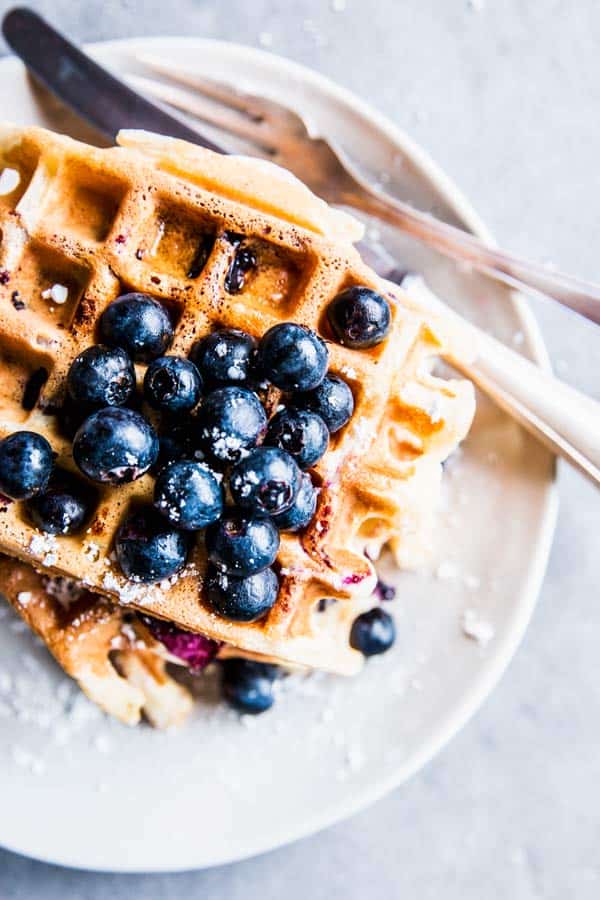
<point x="475" y="696"/>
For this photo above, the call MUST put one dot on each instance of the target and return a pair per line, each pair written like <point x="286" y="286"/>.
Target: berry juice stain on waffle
<point x="213" y="417"/>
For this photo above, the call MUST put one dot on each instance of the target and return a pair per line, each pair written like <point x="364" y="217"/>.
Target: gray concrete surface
<point x="505" y="94"/>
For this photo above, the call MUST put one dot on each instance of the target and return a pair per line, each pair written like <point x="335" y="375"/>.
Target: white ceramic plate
<point x="82" y="791"/>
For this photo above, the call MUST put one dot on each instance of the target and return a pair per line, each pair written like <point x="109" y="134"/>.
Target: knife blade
<point x="83" y="85"/>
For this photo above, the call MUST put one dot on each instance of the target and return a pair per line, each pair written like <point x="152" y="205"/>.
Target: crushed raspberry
<point x="355" y="578"/>
<point x="195" y="650"/>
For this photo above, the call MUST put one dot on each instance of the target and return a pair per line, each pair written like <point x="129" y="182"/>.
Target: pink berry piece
<point x="195" y="650"/>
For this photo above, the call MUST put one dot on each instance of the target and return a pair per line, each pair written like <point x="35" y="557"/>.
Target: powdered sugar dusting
<point x="44" y="547"/>
<point x="58" y="293"/>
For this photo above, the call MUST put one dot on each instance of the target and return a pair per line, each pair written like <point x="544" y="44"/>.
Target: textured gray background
<point x="505" y="94"/>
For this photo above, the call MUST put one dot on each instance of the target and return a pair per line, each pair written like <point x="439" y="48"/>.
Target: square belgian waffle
<point x="80" y="226"/>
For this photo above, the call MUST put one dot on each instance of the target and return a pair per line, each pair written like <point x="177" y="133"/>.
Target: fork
<point x="278" y="133"/>
<point x="562" y="418"/>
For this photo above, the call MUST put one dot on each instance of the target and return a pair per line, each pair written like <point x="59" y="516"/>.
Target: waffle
<point x="99" y="223"/>
<point x="117" y="664"/>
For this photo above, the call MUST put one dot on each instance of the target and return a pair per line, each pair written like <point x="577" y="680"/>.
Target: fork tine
<point x="259" y="109"/>
<point x="222" y="118"/>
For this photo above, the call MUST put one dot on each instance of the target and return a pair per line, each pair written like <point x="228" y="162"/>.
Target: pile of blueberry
<point x="213" y="443"/>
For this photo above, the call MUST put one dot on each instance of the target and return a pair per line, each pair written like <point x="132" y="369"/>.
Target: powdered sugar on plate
<point x="477" y="628"/>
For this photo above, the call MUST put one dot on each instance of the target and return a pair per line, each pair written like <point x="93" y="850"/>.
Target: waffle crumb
<point x="476" y="628"/>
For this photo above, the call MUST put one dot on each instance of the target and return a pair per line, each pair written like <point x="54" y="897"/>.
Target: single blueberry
<point x="225" y="357"/>
<point x="302" y="510"/>
<point x="172" y="384"/>
<point x="115" y="445"/>
<point x="243" y="263"/>
<point x="139" y="324"/>
<point x="189" y="495"/>
<point x="302" y="434"/>
<point x="332" y="400"/>
<point x="293" y="357"/>
<point x="359" y="317"/>
<point x="266" y="481"/>
<point x="26" y="461"/>
<point x="248" y="685"/>
<point x="101" y="376"/>
<point x="373" y="632"/>
<point x="232" y="421"/>
<point x="242" y="599"/>
<point x="241" y="544"/>
<point x="149" y="549"/>
<point x="63" y="508"/>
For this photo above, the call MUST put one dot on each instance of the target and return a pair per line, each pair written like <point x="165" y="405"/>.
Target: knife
<point x="83" y="85"/>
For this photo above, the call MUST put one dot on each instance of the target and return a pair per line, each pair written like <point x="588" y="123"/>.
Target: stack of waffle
<point x="81" y="226"/>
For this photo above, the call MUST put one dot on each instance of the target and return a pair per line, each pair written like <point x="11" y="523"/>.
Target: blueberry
<point x="225" y="357"/>
<point x="242" y="599"/>
<point x="248" y="685"/>
<point x="241" y="544"/>
<point x="332" y="400"/>
<point x="188" y="495"/>
<point x="244" y="262"/>
<point x="302" y="510"/>
<point x="232" y="421"/>
<point x="115" y="445"/>
<point x="359" y="317"/>
<point x="138" y="324"/>
<point x="266" y="481"/>
<point x="63" y="508"/>
<point x="175" y="442"/>
<point x="172" y="384"/>
<point x="293" y="357"/>
<point x="373" y="632"/>
<point x="149" y="549"/>
<point x="303" y="434"/>
<point x="101" y="376"/>
<point x="26" y="461"/>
